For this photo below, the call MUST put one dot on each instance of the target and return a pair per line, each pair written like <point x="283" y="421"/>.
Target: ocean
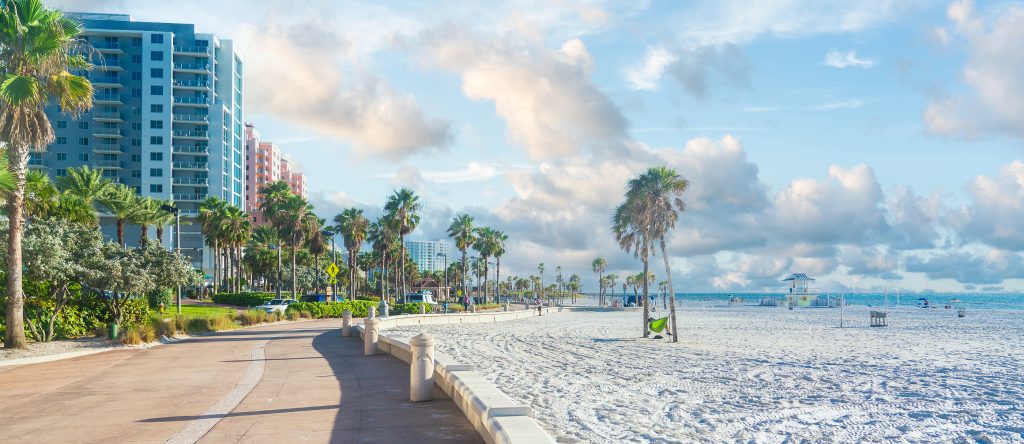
<point x="975" y="301"/>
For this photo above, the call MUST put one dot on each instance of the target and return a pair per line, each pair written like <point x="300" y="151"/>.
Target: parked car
<point x="314" y="298"/>
<point x="278" y="305"/>
<point x="420" y="297"/>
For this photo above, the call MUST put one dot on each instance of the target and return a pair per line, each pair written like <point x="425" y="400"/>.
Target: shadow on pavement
<point x="228" y="415"/>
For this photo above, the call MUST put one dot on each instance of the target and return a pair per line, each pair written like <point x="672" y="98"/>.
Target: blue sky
<point x="872" y="144"/>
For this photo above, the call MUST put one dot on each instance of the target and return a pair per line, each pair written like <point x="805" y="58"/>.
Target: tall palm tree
<point x="403" y="207"/>
<point x="558" y="280"/>
<point x="540" y="268"/>
<point x="609" y="282"/>
<point x="462" y="231"/>
<point x="656" y="197"/>
<point x="353" y="227"/>
<point x="121" y="202"/>
<point x="485" y="245"/>
<point x="145" y="215"/>
<point x="317" y="246"/>
<point x="498" y="250"/>
<point x="163" y="218"/>
<point x="599" y="266"/>
<point x="85" y="183"/>
<point x="37" y="54"/>
<point x="296" y="221"/>
<point x="211" y="214"/>
<point x="262" y="261"/>
<point x="235" y="228"/>
<point x="272" y="196"/>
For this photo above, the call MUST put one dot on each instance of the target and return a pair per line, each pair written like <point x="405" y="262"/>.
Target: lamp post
<point x="277" y="283"/>
<point x="445" y="256"/>
<point x="177" y="243"/>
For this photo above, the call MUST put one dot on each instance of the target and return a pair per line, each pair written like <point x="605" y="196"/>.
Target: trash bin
<point x="112" y="331"/>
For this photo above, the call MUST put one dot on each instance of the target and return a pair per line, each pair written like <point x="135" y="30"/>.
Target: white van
<point x="420" y="297"/>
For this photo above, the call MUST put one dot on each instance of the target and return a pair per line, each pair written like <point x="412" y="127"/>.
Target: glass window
<point x="136" y="58"/>
<point x="156" y="172"/>
<point x="156" y="38"/>
<point x="136" y="126"/>
<point x="156" y="73"/>
<point x="136" y="142"/>
<point x="136" y="157"/>
<point x="156" y="156"/>
<point x="62" y="156"/>
<point x="136" y="75"/>
<point x="84" y="157"/>
<point x="156" y="140"/>
<point x="61" y="172"/>
<point x="83" y="125"/>
<point x="156" y="124"/>
<point x="156" y="188"/>
<point x="84" y="141"/>
<point x="136" y="173"/>
<point x="156" y="55"/>
<point x="136" y="92"/>
<point x="156" y="90"/>
<point x="62" y="140"/>
<point x="62" y="124"/>
<point x="156" y="108"/>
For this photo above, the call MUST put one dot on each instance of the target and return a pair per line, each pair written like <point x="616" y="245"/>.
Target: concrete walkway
<point x="299" y="382"/>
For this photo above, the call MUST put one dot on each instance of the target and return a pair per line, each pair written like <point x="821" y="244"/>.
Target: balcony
<point x="192" y="101"/>
<point x="185" y="149"/>
<point x="110" y="133"/>
<point x="191" y="181"/>
<point x="107" y="117"/>
<point x="190" y="118"/>
<point x="107" y="164"/>
<point x="107" y="99"/>
<point x="192" y="84"/>
<point x="106" y="82"/>
<point x="111" y="66"/>
<point x="106" y="148"/>
<point x="188" y="197"/>
<point x="197" y="51"/>
<point x="189" y="213"/>
<point x="198" y="68"/>
<point x="193" y="166"/>
<point x="107" y="47"/>
<point x="196" y="135"/>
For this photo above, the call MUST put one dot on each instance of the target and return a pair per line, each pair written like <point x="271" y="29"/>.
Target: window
<point x="84" y="157"/>
<point x="62" y="140"/>
<point x="156" y="172"/>
<point x="156" y="124"/>
<point x="156" y="73"/>
<point x="136" y="92"/>
<point x="136" y="142"/>
<point x="156" y="108"/>
<point x="136" y="41"/>
<point x="136" y="58"/>
<point x="136" y="157"/>
<point x="156" y="156"/>
<point x="62" y="124"/>
<point x="156" y="38"/>
<point x="136" y="126"/>
<point x="136" y="173"/>
<point x="62" y="156"/>
<point x="156" y="188"/>
<point x="61" y="172"/>
<point x="83" y="125"/>
<point x="84" y="141"/>
<point x="156" y="90"/>
<point x="110" y="174"/>
<point x="136" y="75"/>
<point x="156" y="55"/>
<point x="156" y="140"/>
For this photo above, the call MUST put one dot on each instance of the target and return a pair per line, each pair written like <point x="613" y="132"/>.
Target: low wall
<point x="498" y="418"/>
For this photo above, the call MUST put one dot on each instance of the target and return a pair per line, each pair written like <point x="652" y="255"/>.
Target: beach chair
<point x="878" y="319"/>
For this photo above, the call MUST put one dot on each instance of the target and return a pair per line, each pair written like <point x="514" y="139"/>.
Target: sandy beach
<point x="761" y="375"/>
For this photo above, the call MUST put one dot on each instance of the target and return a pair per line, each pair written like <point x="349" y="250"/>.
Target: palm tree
<point x="145" y="214"/>
<point x="485" y="244"/>
<point x="598" y="266"/>
<point x="462" y="231"/>
<point x="558" y="280"/>
<point x="121" y="202"/>
<point x="317" y="246"/>
<point x="211" y="214"/>
<point x="296" y="221"/>
<point x="540" y="268"/>
<point x="262" y="261"/>
<point x="162" y="218"/>
<point x="656" y="197"/>
<point x="86" y="184"/>
<point x="609" y="282"/>
<point x="37" y="52"/>
<point x="353" y="227"/>
<point x="403" y="208"/>
<point x="235" y="227"/>
<point x="272" y="197"/>
<point x="498" y="250"/>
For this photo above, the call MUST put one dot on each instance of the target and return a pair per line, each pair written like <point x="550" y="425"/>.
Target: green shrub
<point x="489" y="306"/>
<point x="197" y="326"/>
<point x="146" y="332"/>
<point x="163" y="296"/>
<point x="132" y="336"/>
<point x="180" y="323"/>
<point x="407" y="308"/>
<point x="277" y="316"/>
<point x="293" y="315"/>
<point x="252" y="317"/>
<point x="163" y="327"/>
<point x="222" y="323"/>
<point x="364" y="297"/>
<point x="249" y="299"/>
<point x="332" y="309"/>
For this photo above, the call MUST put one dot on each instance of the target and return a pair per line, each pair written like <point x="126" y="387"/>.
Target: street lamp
<point x="177" y="242"/>
<point x="445" y="256"/>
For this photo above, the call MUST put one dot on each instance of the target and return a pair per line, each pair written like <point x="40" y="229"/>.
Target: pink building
<point x="262" y="165"/>
<point x="296" y="180"/>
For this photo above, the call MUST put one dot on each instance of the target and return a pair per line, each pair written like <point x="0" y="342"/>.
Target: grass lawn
<point x="195" y="311"/>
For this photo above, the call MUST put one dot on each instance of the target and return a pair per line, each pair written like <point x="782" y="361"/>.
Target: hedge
<point x="249" y="299"/>
<point x="84" y="312"/>
<point x="333" y="309"/>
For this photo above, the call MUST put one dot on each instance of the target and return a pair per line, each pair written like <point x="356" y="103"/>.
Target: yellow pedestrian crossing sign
<point x="332" y="271"/>
<point x="333" y="280"/>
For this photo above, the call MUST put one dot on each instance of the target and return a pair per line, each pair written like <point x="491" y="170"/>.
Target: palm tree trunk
<point x="647" y="309"/>
<point x="401" y="261"/>
<point x="294" y="280"/>
<point x="120" y="232"/>
<point x="15" y="336"/>
<point x="351" y="275"/>
<point x="160" y="234"/>
<point x="143" y="235"/>
<point x="216" y="268"/>
<point x="497" y="279"/>
<point x="671" y="294"/>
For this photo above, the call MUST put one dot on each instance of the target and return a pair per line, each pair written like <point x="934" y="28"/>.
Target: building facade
<point x="295" y="179"/>
<point x="167" y="119"/>
<point x="426" y="254"/>
<point x="262" y="166"/>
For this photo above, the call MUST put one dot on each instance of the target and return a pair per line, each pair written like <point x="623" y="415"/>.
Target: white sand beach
<point x="760" y="375"/>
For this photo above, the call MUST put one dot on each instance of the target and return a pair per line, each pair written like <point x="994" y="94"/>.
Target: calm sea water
<point x="989" y="301"/>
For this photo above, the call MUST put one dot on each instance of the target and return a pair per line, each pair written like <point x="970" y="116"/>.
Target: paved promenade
<point x="298" y="382"/>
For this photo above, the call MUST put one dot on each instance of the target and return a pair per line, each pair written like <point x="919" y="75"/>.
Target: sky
<point x="872" y="145"/>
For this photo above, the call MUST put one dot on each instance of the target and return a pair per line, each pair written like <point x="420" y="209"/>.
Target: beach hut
<point x="799" y="292"/>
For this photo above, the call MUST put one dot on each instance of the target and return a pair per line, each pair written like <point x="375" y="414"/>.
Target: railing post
<point x="371" y="332"/>
<point x="346" y="323"/>
<point x="421" y="371"/>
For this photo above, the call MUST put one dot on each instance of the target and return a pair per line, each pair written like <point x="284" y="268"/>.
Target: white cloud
<point x="842" y="104"/>
<point x="647" y="75"/>
<point x="846" y="59"/>
<point x="994" y="73"/>
<point x="473" y="172"/>
<point x="694" y="67"/>
<point x="996" y="209"/>
<point x="991" y="267"/>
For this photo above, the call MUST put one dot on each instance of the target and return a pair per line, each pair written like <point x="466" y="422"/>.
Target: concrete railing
<point x="498" y="418"/>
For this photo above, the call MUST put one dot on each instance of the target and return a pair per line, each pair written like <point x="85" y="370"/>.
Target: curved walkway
<point x="299" y="382"/>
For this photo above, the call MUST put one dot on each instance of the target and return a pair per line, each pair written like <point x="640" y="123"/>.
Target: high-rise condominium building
<point x="167" y="118"/>
<point x="264" y="164"/>
<point x="425" y="254"/>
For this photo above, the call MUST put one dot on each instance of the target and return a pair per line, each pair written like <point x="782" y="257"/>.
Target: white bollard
<point x="371" y="312"/>
<point x="371" y="330"/>
<point x="346" y="323"/>
<point x="423" y="309"/>
<point x="421" y="372"/>
<point x="506" y="307"/>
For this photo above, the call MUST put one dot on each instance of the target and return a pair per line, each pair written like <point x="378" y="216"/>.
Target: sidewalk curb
<point x="55" y="357"/>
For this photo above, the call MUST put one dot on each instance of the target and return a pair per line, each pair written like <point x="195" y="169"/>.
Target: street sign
<point x="333" y="280"/>
<point x="332" y="270"/>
